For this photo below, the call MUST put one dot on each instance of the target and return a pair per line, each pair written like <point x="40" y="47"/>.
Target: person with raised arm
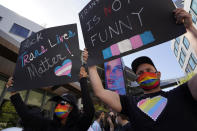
<point x="155" y="110"/>
<point x="66" y="114"/>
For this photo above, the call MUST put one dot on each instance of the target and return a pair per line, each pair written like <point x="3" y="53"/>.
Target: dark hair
<point x="98" y="114"/>
<point x="123" y="117"/>
<point x="71" y="99"/>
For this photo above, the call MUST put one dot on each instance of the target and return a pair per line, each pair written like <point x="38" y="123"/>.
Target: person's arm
<point x="20" y="106"/>
<point x="88" y="107"/>
<point x="22" y="110"/>
<point x="192" y="84"/>
<point x="112" y="99"/>
<point x="110" y="123"/>
<point x="29" y="118"/>
<point x="183" y="17"/>
<point x="17" y="101"/>
<point x="109" y="97"/>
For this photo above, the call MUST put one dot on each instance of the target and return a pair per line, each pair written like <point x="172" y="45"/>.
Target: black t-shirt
<point x="127" y="127"/>
<point x="162" y="111"/>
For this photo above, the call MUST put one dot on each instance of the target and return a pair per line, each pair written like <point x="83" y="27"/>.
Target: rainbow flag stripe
<point x="61" y="110"/>
<point x="148" y="86"/>
<point x="147" y="76"/>
<point x="153" y="107"/>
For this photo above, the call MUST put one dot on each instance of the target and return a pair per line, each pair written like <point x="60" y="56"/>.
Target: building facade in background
<point x="181" y="46"/>
<point x="13" y="30"/>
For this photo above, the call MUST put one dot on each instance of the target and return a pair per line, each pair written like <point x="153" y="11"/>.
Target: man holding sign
<point x="155" y="110"/>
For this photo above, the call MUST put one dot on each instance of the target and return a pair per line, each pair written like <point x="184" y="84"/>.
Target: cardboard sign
<point x="114" y="28"/>
<point x="114" y="76"/>
<point x="49" y="57"/>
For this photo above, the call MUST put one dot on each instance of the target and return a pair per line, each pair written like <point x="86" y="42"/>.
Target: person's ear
<point x="158" y="74"/>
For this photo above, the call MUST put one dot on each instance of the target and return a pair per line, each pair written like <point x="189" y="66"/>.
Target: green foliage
<point x="8" y="115"/>
<point x="100" y="108"/>
<point x="186" y="78"/>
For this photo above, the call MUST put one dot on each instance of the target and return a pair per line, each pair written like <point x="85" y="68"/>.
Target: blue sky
<point x="61" y="12"/>
<point x="163" y="58"/>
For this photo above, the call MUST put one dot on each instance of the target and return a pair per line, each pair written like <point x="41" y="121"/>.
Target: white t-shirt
<point x="90" y="129"/>
<point x="96" y="126"/>
<point x="12" y="129"/>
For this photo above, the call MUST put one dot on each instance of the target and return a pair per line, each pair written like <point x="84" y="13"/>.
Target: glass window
<point x="22" y="94"/>
<point x="181" y="62"/>
<point x="176" y="48"/>
<point x="186" y="42"/>
<point x="192" y="63"/>
<point x="175" y="52"/>
<point x="187" y="69"/>
<point x="35" y="98"/>
<point x="176" y="45"/>
<point x="2" y="85"/>
<point x="178" y="39"/>
<point x="182" y="57"/>
<point x="193" y="17"/>
<point x="19" y="30"/>
<point x="32" y="33"/>
<point x="7" y="96"/>
<point x="194" y="58"/>
<point x="47" y="104"/>
<point x="194" y="6"/>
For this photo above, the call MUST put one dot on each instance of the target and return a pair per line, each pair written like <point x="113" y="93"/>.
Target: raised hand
<point x="85" y="55"/>
<point x="9" y="84"/>
<point x="183" y="17"/>
<point x="83" y="72"/>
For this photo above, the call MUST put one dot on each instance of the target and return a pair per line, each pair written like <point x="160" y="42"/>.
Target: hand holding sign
<point x="183" y="17"/>
<point x="9" y="84"/>
<point x="83" y="72"/>
<point x="85" y="55"/>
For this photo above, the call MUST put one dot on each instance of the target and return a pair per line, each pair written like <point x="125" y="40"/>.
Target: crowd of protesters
<point x="154" y="111"/>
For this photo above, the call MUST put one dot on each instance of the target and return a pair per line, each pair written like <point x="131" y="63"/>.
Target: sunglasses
<point x="64" y="103"/>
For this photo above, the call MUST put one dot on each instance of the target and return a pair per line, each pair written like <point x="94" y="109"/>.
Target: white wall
<point x="10" y="17"/>
<point x="187" y="4"/>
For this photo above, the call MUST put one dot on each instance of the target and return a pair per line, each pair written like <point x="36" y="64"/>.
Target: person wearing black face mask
<point x="66" y="114"/>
